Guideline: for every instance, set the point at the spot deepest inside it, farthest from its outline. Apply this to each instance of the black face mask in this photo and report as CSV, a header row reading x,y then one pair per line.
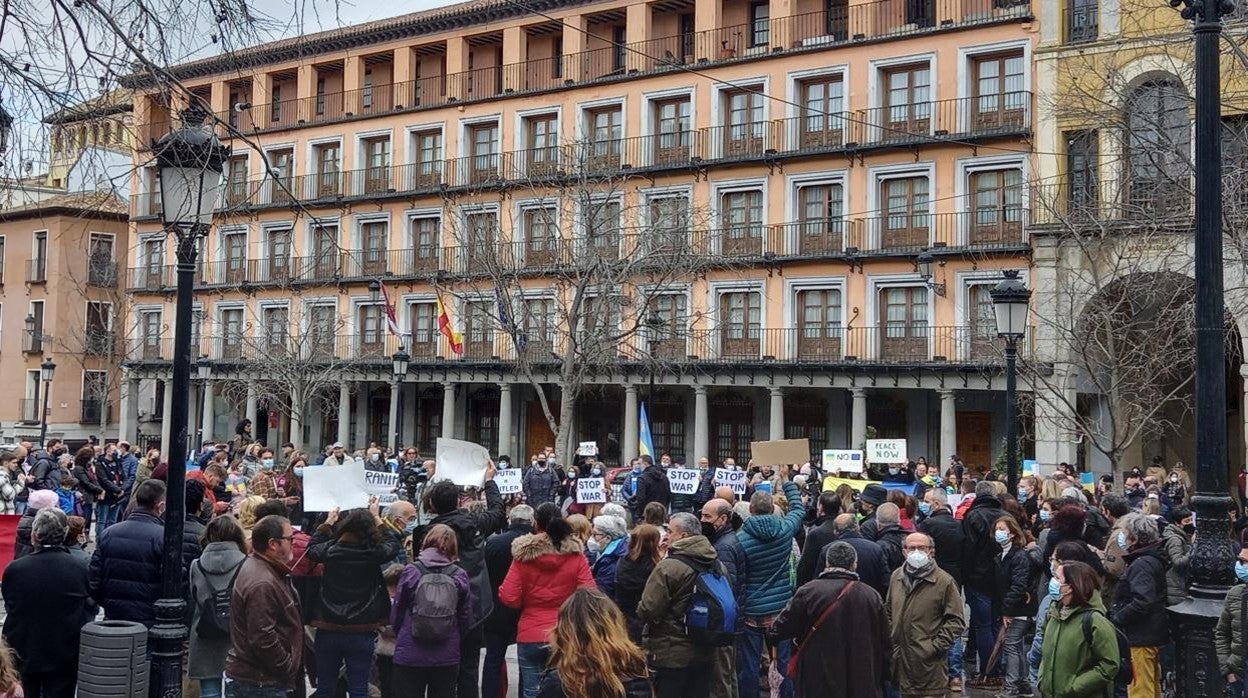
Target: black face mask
x,y
708,529
1189,529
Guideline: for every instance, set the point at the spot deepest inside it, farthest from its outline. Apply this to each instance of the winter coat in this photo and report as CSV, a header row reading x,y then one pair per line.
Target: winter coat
x,y
604,568
11,486
1228,636
503,619
652,486
125,568
23,546
666,599
46,471
768,544
926,620
47,601
872,565
891,539
540,579
1070,667
629,490
409,652
192,532
130,472
552,687
1139,608
630,582
214,570
88,482
946,532
1178,548
353,595
540,485
810,564
111,477
979,549
266,629
1016,584
830,666
728,548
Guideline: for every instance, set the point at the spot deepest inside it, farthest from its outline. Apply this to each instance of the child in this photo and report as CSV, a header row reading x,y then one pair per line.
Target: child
x,y
69,496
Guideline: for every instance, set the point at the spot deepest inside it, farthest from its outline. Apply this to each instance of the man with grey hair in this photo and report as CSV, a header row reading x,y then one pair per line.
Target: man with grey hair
x,y
872,564
500,625
47,601
889,534
1139,608
927,614
681,668
834,606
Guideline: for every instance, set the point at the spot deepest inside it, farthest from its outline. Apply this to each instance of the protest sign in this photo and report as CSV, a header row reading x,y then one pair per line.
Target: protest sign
x,y
381,485
955,501
842,461
683,480
783,452
328,487
461,462
731,478
886,451
508,481
587,448
590,490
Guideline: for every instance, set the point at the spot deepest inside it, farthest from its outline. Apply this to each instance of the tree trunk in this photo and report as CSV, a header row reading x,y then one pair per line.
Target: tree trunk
x,y
296,418
563,437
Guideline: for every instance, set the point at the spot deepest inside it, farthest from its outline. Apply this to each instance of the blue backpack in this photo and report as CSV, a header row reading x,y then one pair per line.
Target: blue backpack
x,y
711,620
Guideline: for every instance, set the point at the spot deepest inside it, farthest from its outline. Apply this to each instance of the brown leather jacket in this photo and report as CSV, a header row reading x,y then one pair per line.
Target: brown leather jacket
x,y
265,625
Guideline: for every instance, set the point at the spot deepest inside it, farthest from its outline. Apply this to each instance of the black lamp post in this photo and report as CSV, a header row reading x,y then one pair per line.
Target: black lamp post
x,y
1009,299
190,161
924,262
1212,560
401,361
47,370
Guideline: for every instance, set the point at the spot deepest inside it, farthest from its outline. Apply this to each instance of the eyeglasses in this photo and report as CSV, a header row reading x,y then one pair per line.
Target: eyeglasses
x,y
290,538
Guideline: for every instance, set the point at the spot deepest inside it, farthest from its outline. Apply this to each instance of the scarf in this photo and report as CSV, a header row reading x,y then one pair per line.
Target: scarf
x,y
912,575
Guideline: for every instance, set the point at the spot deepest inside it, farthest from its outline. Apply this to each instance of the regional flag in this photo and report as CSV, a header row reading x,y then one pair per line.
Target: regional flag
x,y
646,443
392,321
444,326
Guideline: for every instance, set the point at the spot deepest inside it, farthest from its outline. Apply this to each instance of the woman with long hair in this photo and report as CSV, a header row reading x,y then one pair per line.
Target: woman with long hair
x,y
428,666
591,655
633,571
354,602
10,680
86,482
224,552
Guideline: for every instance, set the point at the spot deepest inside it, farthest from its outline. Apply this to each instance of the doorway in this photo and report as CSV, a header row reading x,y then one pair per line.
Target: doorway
x,y
975,440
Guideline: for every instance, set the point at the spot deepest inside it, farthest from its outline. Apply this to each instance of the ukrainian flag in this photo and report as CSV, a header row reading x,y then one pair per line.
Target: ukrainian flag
x,y
646,445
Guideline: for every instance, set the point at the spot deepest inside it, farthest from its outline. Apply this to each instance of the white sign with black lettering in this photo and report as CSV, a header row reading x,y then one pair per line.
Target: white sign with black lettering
x,y
508,481
590,490
731,478
683,480
886,451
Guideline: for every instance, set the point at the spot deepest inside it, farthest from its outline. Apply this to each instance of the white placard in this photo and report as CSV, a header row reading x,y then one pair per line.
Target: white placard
x,y
381,485
590,490
886,451
731,478
461,462
334,486
955,501
837,460
509,481
587,448
683,480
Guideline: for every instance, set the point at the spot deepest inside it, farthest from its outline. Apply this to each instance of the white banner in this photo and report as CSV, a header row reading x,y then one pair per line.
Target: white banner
x,y
509,481
461,462
731,478
842,460
587,448
591,490
683,480
347,486
886,451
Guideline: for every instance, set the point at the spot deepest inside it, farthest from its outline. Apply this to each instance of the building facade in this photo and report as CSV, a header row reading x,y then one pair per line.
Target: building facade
x,y
747,186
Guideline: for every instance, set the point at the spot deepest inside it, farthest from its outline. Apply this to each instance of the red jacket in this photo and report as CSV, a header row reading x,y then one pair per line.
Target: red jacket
x,y
540,580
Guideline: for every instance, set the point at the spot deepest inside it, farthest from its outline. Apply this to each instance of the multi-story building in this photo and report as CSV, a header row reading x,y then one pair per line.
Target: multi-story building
x,y
796,158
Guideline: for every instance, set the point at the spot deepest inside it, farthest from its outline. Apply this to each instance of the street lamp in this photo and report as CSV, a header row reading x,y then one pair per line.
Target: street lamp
x,y
925,262
1009,299
47,370
1212,560
374,290
190,161
401,361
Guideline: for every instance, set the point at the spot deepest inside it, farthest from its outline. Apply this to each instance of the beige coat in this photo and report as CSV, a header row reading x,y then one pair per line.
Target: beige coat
x,y
925,621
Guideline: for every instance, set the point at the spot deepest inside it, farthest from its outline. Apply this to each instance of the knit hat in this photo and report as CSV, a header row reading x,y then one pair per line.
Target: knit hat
x,y
874,494
40,499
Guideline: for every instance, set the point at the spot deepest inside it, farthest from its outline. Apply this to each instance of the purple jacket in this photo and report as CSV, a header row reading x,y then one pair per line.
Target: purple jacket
x,y
407,652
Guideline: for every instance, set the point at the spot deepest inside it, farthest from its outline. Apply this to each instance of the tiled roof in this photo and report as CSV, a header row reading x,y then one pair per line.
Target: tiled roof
x,y
82,204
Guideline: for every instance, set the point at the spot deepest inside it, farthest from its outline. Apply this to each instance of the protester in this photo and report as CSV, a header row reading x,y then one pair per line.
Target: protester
x,y
87,483
39,499
500,626
12,484
591,655
1080,654
979,575
1177,540
541,483
818,536
212,578
1229,633
873,495
1139,608
1017,573
432,609
126,565
927,616
266,629
653,486
609,540
717,527
889,534
632,573
822,614
194,527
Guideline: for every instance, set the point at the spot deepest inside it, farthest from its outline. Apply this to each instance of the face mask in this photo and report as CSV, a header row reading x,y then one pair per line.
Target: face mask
x,y
596,472
708,529
376,457
1045,515
917,559
267,463
925,508
1002,537
636,468
892,471
1022,494
1241,571
1122,540
1055,588
1189,529
593,545
409,528
1174,478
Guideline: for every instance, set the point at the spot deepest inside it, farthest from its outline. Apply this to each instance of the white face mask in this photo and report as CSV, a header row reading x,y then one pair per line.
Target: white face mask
x,y
917,558
593,545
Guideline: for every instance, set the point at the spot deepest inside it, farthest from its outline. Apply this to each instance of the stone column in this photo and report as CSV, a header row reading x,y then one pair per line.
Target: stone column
x,y
192,426
701,424
252,402
948,425
504,421
362,409
166,423
448,410
1055,420
1243,409
777,414
344,413
209,418
631,424
395,437
129,408
858,430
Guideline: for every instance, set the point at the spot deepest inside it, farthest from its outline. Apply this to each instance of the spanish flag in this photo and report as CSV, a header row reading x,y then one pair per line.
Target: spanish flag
x,y
444,326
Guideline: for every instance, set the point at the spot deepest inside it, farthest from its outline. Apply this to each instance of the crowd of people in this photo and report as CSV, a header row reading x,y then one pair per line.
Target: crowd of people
x,y
913,583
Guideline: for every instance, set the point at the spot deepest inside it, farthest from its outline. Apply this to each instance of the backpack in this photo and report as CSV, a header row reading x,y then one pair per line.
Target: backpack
x,y
1126,673
711,619
214,609
435,604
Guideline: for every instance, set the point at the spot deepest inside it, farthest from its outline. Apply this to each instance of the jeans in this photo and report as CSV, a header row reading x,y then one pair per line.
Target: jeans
x,y
50,684
494,668
1033,656
749,658
532,657
242,689
983,628
955,658
332,649
88,508
19,507
1014,652
687,682
210,688
105,516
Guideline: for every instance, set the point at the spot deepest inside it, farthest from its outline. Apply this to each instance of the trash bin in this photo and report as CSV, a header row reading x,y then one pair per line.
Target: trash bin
x,y
112,660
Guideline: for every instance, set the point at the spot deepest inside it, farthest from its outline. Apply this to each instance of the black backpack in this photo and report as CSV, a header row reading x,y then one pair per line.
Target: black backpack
x,y
1126,673
214,609
435,604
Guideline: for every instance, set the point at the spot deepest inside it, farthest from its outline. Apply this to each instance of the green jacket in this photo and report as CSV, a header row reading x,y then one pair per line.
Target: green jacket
x,y
665,600
1228,636
1069,666
926,620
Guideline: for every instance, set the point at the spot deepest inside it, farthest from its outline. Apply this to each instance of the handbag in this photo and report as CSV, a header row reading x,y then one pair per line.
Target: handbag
x,y
791,670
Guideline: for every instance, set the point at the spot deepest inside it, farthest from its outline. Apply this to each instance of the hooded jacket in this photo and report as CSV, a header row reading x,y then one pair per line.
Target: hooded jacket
x,y
666,599
768,544
1178,549
214,570
1140,600
652,486
979,550
1069,666
1228,636
541,578
409,652
353,595
471,529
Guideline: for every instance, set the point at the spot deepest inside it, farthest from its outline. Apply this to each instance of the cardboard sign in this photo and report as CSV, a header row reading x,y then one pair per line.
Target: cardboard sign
x,y
837,460
591,490
509,481
683,480
731,478
587,448
785,452
461,462
886,451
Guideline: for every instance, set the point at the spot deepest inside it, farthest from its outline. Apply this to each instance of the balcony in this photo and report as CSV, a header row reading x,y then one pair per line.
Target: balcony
x,y
95,412
99,343
28,409
34,342
37,271
1082,24
102,272
1120,203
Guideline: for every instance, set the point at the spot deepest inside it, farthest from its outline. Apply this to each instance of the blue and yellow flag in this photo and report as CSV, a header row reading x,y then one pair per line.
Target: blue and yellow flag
x,y
646,443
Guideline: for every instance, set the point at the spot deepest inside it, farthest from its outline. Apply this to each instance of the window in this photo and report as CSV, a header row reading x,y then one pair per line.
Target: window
x,y
1082,21
907,101
98,336
1082,155
906,203
671,119
482,237
542,157
149,334
325,252
556,61
997,197
320,96
606,130
823,106
667,339
275,103
541,318
1234,164
740,324
276,322
760,26
39,259
1,259
669,225
541,237
30,404
234,246
619,39
366,94
819,329
603,235
232,333
278,254
1158,137
371,330
236,181
95,407
921,13
1000,101
101,265
478,330
742,213
983,321
328,170
377,157
821,224
732,428
282,182
197,328
688,27
903,319
428,152
600,319
322,331
375,238
483,139
745,124
426,242
423,327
